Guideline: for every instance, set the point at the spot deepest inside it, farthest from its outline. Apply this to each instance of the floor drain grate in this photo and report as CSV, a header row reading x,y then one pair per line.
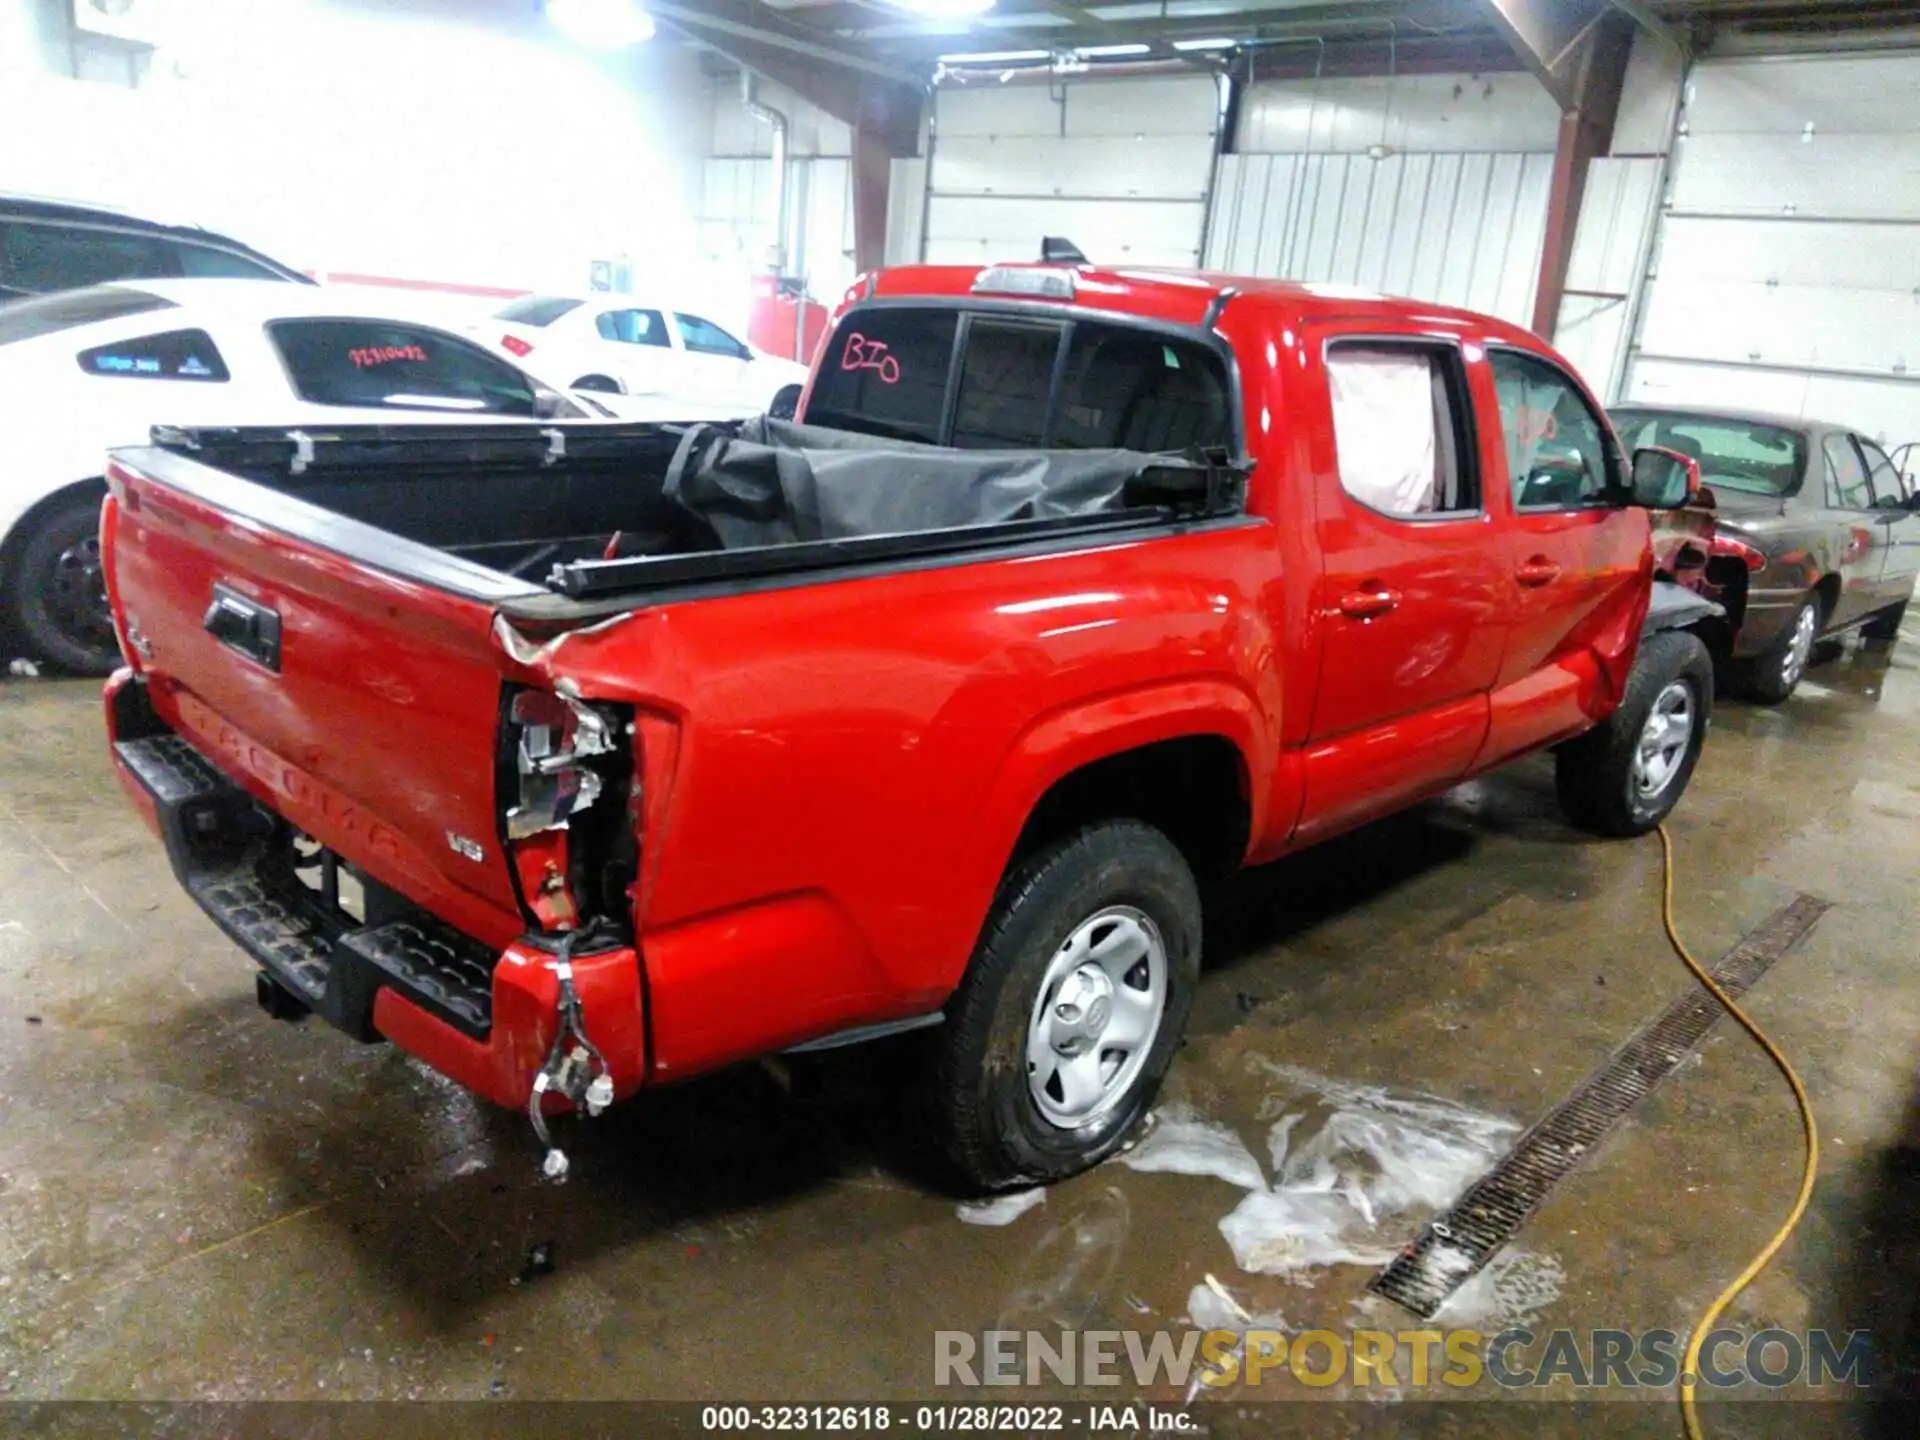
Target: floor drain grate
x,y
1453,1248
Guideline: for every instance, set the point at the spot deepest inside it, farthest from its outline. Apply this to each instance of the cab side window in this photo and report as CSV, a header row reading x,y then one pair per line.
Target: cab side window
x,y
1889,486
176,355
703,337
1397,427
1560,455
631,327
1847,487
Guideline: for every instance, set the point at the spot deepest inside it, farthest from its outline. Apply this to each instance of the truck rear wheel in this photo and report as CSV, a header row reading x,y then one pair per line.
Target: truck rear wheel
x,y
1625,775
1058,1037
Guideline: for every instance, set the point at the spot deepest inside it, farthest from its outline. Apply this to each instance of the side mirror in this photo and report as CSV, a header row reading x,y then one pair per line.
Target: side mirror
x,y
1664,479
552,405
786,400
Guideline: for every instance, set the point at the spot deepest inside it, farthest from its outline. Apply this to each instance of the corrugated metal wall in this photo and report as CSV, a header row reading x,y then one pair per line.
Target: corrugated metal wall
x,y
1450,205
1119,166
1460,229
1787,268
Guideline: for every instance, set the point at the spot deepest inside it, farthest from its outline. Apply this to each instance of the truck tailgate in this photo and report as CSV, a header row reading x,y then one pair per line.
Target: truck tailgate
x,y
361,704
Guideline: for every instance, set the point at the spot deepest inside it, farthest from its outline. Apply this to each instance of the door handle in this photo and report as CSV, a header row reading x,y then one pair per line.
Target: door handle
x,y
1536,572
1369,604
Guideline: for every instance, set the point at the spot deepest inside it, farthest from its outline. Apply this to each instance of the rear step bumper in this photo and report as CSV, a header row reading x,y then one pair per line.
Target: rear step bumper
x,y
482,1017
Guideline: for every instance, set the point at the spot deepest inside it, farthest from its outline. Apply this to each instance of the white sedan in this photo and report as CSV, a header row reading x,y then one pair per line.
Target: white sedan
x,y
83,371
620,345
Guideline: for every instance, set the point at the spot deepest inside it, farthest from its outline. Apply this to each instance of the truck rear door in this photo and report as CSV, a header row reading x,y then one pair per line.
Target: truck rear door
x,y
1412,579
360,698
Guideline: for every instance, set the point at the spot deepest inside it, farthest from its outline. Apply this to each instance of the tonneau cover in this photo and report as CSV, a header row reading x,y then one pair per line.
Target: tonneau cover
x,y
772,482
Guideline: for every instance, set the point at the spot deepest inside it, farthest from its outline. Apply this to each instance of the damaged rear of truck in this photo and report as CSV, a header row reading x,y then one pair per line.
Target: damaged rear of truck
x,y
574,759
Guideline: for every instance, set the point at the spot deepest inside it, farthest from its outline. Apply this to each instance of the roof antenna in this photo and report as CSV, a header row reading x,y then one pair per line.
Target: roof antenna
x,y
1058,250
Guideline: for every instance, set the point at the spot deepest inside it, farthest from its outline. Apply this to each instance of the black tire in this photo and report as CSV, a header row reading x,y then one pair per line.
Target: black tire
x,y
55,592
1886,624
985,1112
1770,677
1595,775
597,384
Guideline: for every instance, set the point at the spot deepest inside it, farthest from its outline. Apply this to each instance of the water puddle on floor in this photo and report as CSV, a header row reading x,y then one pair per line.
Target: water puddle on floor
x,y
1334,1181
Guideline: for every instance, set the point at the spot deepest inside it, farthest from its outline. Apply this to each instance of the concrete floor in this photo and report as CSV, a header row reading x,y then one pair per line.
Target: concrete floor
x,y
199,1203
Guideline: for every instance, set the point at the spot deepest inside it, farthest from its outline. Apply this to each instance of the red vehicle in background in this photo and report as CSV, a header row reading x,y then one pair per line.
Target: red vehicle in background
x,y
575,760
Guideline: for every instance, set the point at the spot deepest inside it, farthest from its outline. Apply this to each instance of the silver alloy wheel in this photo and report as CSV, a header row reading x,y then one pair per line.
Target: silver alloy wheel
x,y
1663,742
1096,1016
1793,664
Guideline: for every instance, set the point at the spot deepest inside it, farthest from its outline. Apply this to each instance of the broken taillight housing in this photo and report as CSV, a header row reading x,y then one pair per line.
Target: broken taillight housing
x,y
567,767
553,739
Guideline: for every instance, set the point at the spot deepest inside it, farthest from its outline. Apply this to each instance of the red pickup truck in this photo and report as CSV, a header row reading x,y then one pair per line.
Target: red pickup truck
x,y
578,759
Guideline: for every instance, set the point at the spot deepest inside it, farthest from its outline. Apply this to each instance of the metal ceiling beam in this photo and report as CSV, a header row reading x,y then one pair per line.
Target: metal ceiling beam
x,y
752,23
1552,37
1416,19
1547,35
1586,131
1158,47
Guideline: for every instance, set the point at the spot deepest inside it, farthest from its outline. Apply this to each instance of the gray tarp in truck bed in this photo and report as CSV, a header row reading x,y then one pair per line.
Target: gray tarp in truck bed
x,y
771,482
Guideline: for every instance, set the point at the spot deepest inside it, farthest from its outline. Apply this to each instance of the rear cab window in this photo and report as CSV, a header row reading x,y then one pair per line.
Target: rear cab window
x,y
993,380
378,364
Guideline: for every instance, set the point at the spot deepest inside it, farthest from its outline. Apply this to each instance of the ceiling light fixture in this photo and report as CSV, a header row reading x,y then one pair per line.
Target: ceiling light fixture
x,y
1218,42
994,57
943,9
1097,52
601,24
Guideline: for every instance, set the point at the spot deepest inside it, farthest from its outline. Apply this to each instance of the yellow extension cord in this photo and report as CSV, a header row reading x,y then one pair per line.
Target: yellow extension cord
x,y
1690,1367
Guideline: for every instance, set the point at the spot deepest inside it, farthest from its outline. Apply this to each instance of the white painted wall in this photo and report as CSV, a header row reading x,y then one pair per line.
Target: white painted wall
x,y
432,143
739,203
1118,165
1454,211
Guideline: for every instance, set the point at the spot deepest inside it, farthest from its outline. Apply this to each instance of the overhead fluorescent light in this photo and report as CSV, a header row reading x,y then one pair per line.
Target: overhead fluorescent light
x,y
942,9
1096,52
601,24
1217,42
994,57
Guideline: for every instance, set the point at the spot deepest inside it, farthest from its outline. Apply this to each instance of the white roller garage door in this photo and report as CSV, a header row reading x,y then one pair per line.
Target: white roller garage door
x,y
1118,166
1787,272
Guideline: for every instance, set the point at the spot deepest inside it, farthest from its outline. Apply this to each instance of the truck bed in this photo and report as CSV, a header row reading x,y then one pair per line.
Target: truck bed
x,y
555,522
